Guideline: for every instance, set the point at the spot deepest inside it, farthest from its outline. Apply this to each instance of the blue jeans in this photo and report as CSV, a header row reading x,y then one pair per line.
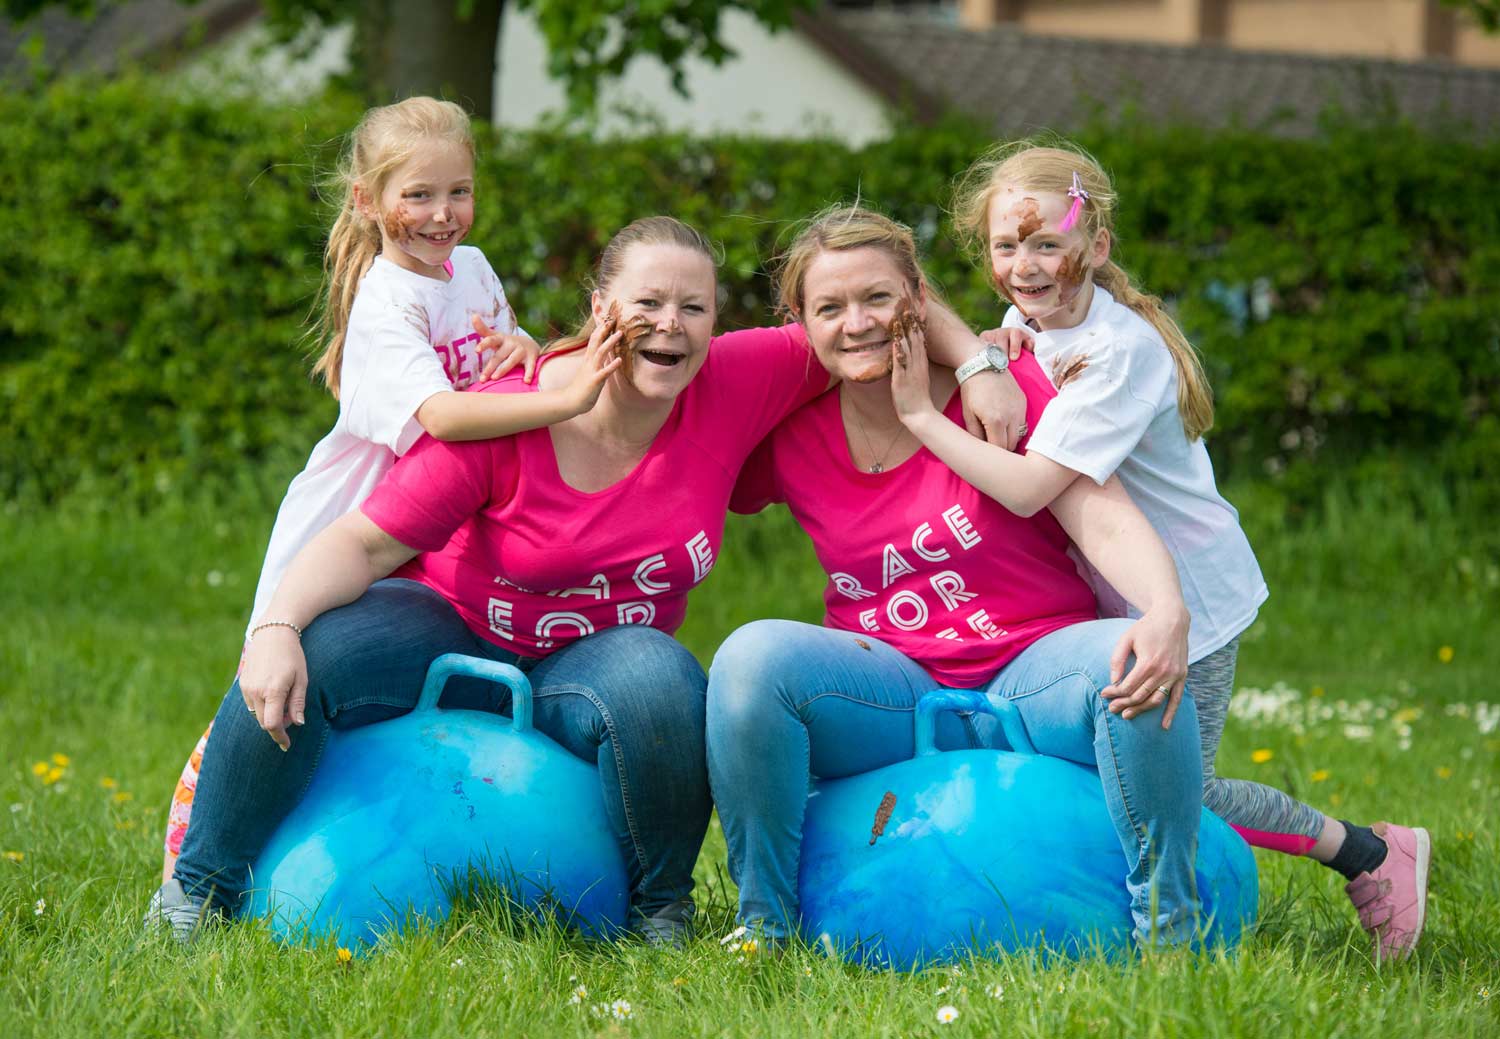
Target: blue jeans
x,y
628,699
789,701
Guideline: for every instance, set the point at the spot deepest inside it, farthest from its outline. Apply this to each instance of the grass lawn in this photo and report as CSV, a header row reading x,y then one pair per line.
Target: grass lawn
x,y
1366,689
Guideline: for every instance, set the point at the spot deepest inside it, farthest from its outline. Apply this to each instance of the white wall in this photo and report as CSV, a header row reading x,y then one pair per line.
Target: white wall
x,y
779,85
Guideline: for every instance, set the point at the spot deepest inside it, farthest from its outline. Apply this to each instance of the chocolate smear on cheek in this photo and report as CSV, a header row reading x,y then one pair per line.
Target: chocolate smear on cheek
x,y
397,224
1070,276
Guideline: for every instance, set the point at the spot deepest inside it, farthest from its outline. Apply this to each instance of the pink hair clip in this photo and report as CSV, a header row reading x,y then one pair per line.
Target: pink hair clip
x,y
1076,209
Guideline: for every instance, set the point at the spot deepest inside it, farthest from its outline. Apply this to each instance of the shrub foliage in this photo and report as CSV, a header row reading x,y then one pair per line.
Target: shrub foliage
x,y
164,254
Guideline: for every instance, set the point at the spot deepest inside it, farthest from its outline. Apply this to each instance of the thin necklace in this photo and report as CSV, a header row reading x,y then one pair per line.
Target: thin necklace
x,y
877,466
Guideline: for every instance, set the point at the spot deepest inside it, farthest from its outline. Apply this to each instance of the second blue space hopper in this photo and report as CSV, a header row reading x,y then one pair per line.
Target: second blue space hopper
x,y
982,851
400,812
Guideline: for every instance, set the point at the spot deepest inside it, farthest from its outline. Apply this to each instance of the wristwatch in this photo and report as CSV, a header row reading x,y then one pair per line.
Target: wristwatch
x,y
991,358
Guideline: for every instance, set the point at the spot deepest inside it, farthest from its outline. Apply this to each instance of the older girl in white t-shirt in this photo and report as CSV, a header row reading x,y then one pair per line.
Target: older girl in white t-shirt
x,y
408,316
1133,400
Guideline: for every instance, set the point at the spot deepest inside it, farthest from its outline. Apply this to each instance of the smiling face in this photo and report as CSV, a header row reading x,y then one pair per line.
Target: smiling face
x,y
671,288
1047,273
849,299
425,209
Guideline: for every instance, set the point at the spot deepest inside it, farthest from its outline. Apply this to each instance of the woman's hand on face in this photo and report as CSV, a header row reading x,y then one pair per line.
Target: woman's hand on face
x,y
273,682
1159,642
1014,341
506,351
601,359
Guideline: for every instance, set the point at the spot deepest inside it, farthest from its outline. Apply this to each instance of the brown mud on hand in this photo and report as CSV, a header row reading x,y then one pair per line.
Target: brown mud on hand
x,y
904,322
1066,369
882,816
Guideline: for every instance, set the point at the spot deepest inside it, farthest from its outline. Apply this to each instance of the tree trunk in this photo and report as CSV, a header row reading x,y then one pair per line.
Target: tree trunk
x,y
431,48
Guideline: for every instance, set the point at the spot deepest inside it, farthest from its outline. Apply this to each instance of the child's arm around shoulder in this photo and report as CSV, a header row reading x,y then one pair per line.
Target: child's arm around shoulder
x,y
1023,483
451,415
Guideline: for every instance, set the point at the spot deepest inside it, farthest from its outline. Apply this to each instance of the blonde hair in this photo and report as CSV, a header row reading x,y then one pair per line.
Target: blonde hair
x,y
385,140
650,230
1049,165
838,228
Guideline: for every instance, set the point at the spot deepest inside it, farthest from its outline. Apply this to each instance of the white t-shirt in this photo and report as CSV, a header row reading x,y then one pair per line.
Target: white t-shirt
x,y
409,337
1119,414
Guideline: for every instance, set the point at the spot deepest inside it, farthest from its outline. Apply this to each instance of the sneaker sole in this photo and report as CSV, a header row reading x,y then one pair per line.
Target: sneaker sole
x,y
1424,859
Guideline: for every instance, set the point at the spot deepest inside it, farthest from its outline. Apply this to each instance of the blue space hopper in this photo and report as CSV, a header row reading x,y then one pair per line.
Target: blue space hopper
x,y
401,813
956,853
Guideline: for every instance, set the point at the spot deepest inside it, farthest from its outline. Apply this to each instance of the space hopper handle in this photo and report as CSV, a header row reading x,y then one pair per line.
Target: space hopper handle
x,y
939,700
450,665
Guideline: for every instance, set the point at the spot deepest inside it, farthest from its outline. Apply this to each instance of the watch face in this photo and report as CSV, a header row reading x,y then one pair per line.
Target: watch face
x,y
997,358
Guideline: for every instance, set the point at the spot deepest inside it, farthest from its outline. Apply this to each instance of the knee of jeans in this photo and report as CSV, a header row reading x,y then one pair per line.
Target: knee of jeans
x,y
654,672
744,677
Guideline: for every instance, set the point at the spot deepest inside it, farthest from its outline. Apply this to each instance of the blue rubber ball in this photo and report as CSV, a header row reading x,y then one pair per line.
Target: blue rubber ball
x,y
982,851
401,813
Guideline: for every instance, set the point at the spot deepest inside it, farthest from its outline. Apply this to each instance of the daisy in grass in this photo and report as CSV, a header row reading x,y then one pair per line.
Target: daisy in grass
x,y
947,1014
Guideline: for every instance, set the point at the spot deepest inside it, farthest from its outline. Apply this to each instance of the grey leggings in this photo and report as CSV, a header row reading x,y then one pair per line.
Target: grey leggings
x,y
1265,816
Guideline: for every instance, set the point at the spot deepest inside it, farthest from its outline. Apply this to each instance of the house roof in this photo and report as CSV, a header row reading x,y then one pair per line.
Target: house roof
x,y
118,34
1020,82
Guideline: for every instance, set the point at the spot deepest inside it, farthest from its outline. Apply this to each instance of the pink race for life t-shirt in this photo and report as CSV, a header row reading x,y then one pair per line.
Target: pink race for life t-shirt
x,y
915,555
532,564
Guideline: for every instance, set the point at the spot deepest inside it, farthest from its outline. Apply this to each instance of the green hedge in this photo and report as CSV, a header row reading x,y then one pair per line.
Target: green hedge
x,y
162,254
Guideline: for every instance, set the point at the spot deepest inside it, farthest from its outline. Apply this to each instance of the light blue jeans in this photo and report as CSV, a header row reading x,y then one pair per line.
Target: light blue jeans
x,y
789,701
628,699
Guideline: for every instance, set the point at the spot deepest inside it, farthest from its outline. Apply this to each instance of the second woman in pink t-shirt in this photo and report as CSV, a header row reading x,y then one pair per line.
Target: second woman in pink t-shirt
x,y
933,583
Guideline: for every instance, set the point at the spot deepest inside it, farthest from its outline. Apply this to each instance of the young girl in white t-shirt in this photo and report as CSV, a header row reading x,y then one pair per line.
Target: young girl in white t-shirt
x,y
409,315
1133,399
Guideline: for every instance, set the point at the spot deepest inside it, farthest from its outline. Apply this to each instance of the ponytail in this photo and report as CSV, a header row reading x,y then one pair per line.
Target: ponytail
x,y
1195,397
353,244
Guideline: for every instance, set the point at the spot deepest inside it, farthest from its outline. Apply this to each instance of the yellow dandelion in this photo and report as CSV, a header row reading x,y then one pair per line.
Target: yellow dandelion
x,y
1335,799
344,956
1445,654
121,796
16,856
125,824
1316,690
53,775
61,760
40,768
108,783
1260,757
1444,772
1320,775
679,981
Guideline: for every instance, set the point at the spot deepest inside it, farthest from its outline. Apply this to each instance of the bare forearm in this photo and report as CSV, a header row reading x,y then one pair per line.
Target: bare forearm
x,y
950,342
1024,484
1115,536
455,416
334,569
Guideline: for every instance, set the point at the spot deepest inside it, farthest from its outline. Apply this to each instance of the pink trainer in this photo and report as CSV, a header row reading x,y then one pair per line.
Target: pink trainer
x,y
1392,900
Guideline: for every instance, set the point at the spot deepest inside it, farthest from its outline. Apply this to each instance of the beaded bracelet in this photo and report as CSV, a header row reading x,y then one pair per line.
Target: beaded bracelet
x,y
275,624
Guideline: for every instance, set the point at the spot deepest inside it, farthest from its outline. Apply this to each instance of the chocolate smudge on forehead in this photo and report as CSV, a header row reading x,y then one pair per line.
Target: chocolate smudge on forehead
x,y
1031,218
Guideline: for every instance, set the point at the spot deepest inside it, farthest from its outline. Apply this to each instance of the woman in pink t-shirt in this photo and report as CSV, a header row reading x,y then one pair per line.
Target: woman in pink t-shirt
x,y
932,583
566,551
